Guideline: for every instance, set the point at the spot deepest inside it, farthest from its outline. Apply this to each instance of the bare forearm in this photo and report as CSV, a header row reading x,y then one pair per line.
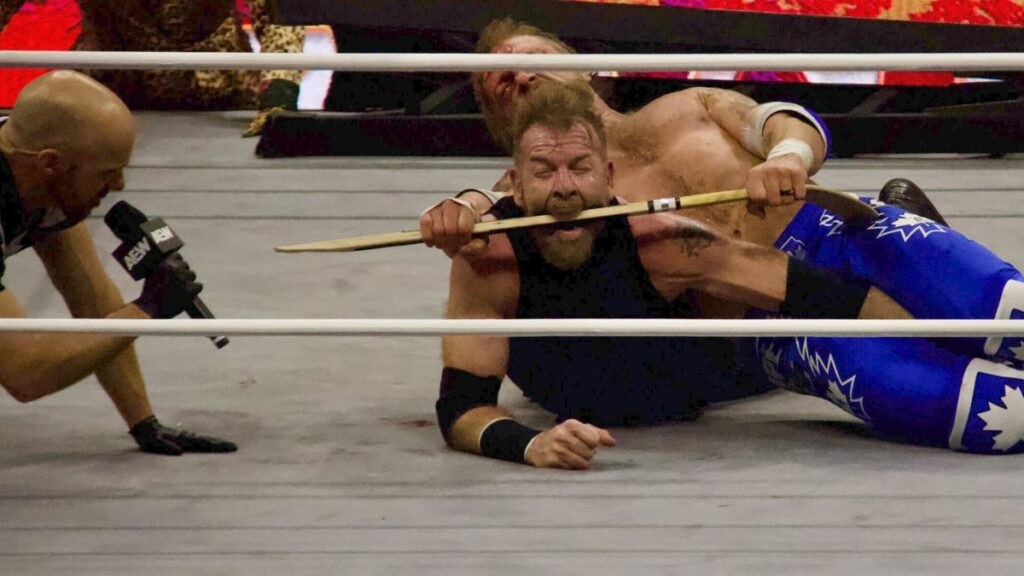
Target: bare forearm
x,y
751,274
879,306
760,277
48,363
121,378
120,374
465,433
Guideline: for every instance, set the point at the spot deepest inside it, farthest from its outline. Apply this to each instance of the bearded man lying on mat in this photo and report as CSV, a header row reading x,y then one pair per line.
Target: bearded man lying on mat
x,y
948,391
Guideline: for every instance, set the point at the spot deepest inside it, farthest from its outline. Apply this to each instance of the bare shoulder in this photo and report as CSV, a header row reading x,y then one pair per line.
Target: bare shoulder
x,y
648,131
681,98
687,103
699,104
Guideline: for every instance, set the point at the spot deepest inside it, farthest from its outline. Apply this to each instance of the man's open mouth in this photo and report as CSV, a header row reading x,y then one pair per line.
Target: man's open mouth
x,y
568,229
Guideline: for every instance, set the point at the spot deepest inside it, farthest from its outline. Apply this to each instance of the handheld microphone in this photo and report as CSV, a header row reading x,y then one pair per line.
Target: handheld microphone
x,y
145,243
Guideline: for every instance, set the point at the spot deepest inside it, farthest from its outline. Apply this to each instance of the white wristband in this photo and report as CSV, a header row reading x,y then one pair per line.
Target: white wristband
x,y
457,200
793,146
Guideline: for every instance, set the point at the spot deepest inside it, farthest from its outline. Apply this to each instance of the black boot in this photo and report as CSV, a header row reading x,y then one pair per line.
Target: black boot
x,y
904,194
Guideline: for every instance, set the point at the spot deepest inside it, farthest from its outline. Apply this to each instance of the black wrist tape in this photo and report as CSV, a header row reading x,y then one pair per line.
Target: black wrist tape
x,y
507,440
462,391
814,292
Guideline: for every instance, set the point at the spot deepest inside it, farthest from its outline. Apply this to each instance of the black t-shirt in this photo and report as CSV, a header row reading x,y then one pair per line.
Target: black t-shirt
x,y
6,190
12,215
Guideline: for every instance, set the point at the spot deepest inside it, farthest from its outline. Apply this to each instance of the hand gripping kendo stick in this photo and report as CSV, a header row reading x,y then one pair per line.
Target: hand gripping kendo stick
x,y
845,205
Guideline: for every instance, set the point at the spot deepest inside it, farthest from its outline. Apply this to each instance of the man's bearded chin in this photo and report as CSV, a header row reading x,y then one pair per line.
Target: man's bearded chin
x,y
563,253
567,254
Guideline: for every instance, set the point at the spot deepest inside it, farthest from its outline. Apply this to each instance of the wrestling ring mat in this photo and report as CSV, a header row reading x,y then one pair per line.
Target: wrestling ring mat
x,y
341,468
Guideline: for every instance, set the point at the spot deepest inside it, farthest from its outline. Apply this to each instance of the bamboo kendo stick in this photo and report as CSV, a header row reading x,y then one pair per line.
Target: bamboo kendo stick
x,y
842,204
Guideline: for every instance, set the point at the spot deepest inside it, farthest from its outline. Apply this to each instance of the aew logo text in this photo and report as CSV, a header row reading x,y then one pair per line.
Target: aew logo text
x,y
152,242
138,252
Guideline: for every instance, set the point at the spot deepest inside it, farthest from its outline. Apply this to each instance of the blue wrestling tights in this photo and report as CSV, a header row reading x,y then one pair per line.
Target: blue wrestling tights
x,y
906,387
963,393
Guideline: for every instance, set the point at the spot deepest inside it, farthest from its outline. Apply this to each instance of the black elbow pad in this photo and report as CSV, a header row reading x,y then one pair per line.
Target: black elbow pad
x,y
460,392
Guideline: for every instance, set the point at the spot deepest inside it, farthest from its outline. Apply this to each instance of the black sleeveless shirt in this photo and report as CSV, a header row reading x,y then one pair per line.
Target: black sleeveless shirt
x,y
610,380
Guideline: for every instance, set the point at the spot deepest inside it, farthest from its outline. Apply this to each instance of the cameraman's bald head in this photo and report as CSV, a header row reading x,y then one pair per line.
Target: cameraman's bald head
x,y
69,112
67,141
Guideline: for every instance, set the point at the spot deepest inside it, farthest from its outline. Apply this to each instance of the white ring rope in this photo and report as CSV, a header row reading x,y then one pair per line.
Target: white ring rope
x,y
452,62
523,327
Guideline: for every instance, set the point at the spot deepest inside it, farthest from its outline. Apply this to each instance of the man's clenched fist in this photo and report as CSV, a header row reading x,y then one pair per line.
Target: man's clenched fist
x,y
571,445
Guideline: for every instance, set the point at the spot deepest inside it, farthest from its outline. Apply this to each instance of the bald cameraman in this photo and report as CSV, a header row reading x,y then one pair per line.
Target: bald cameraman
x,y
63,148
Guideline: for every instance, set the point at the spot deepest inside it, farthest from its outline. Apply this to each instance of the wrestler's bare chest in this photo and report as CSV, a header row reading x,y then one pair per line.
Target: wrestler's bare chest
x,y
679,159
682,157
